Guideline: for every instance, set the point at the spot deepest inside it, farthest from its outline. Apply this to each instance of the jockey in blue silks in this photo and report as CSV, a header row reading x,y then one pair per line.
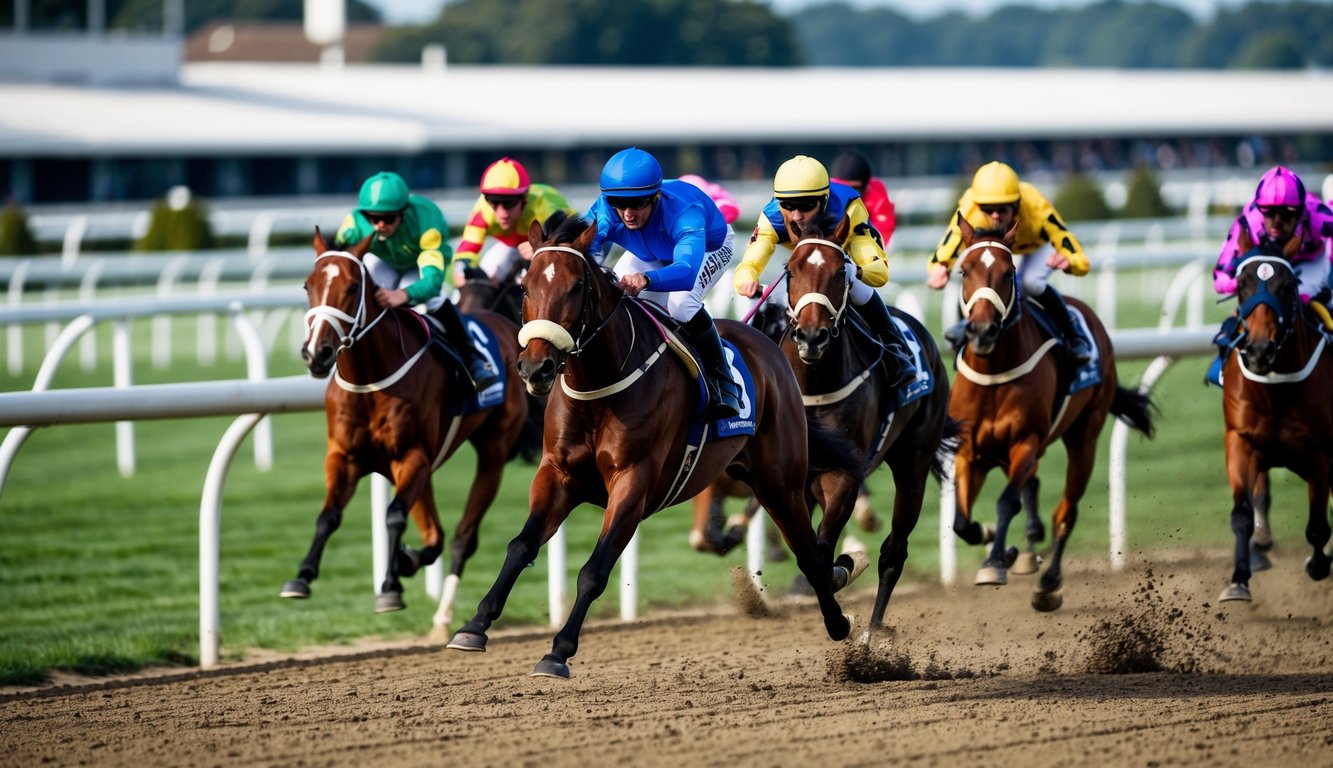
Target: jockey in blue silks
x,y
677,244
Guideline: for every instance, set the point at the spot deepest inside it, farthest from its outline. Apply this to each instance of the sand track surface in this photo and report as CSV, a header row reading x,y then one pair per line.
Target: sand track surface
x,y
1142,667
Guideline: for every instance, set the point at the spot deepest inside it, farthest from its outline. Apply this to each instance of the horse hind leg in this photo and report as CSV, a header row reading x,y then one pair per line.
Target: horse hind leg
x,y
909,481
1028,561
341,482
1261,543
485,486
788,510
1317,531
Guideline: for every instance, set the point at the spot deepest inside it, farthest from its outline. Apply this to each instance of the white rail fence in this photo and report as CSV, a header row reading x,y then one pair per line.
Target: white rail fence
x,y
250,401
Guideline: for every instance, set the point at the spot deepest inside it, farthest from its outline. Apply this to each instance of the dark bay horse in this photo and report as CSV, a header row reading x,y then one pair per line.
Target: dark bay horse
x,y
1014,395
845,385
618,433
502,294
389,411
1275,400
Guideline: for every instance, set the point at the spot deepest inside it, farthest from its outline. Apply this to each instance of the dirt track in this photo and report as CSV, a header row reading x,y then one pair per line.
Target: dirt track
x,y
971,674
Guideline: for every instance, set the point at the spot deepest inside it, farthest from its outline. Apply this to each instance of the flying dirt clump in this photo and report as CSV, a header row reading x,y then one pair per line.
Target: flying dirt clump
x,y
1148,635
877,663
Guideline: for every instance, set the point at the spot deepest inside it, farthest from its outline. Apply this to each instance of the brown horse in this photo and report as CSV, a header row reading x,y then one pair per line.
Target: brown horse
x,y
389,411
846,386
1016,397
1275,399
618,433
502,294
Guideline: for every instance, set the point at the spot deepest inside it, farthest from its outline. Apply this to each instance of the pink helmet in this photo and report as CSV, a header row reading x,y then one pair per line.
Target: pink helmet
x,y
1280,187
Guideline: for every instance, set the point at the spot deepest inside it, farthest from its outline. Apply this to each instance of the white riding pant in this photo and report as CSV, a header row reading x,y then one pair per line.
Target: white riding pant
x,y
391,278
683,304
1033,271
499,259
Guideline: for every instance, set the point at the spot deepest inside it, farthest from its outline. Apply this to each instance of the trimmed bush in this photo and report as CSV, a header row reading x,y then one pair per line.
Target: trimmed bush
x,y
178,222
15,237
1144,197
1081,199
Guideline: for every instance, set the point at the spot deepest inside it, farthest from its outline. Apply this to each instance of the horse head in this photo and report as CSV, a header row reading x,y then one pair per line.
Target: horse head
x,y
564,296
1270,301
342,306
990,296
817,287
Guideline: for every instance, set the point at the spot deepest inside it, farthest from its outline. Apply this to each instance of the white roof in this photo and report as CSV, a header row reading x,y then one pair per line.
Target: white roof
x,y
249,109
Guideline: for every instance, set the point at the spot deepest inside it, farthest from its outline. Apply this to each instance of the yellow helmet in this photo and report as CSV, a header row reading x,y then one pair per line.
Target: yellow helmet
x,y
801,176
995,184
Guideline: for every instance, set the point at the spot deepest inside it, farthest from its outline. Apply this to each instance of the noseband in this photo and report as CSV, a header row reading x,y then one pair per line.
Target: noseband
x,y
1006,308
819,298
554,333
1286,311
335,317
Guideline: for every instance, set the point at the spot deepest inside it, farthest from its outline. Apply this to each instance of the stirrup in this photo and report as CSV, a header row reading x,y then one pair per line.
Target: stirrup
x,y
906,371
482,374
1079,350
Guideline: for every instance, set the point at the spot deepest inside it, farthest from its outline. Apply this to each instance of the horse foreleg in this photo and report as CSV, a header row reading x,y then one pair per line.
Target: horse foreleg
x,y
340,482
549,502
1317,530
1243,474
411,480
485,485
968,479
624,510
787,508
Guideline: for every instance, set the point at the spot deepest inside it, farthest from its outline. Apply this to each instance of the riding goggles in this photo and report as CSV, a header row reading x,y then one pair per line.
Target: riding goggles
x,y
503,202
1280,212
802,204
387,218
631,203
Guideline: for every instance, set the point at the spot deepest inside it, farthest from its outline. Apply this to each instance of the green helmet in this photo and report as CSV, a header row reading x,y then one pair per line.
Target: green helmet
x,y
385,192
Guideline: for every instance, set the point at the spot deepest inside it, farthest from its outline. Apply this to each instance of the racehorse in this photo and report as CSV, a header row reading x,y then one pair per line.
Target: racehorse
x,y
845,384
1016,397
1275,387
391,409
502,294
618,433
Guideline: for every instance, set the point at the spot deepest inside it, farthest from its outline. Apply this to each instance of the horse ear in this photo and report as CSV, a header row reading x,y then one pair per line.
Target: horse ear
x,y
1012,233
965,227
362,247
535,233
840,234
321,245
584,241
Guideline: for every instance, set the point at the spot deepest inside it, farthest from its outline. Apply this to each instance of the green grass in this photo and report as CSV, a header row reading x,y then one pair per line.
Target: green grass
x,y
100,572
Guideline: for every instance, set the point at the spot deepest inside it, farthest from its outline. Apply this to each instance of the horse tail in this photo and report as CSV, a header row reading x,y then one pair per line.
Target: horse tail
x,y
529,442
832,451
1134,408
950,439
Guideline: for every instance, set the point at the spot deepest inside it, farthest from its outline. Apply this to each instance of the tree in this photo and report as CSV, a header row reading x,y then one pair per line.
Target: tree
x,y
15,237
178,222
1080,199
1144,199
1271,50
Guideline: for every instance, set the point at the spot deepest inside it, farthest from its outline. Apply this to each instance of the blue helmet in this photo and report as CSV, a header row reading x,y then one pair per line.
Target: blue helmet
x,y
631,173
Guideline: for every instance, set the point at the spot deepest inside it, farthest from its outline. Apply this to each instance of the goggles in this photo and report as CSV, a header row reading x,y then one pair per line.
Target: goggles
x,y
631,203
802,204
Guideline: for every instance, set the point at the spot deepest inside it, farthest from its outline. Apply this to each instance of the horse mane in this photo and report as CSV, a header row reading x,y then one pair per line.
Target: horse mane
x,y
562,227
989,233
822,227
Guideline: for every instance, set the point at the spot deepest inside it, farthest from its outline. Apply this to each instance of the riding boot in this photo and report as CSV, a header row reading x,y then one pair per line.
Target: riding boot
x,y
902,370
724,396
478,368
1058,311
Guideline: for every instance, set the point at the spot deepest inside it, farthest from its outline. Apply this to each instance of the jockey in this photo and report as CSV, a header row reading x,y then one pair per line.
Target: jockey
x,y
994,199
407,259
508,205
676,245
853,169
802,192
1283,209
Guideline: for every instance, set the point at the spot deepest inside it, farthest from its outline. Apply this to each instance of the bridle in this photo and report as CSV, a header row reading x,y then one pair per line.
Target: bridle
x,y
554,333
820,298
1009,309
1286,311
356,326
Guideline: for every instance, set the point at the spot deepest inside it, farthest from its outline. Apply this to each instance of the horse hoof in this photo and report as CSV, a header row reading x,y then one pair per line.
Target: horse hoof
x,y
1236,592
1259,560
473,642
839,627
848,567
387,602
1010,557
1317,569
991,576
549,667
987,533
1026,564
296,588
1262,539
1047,601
